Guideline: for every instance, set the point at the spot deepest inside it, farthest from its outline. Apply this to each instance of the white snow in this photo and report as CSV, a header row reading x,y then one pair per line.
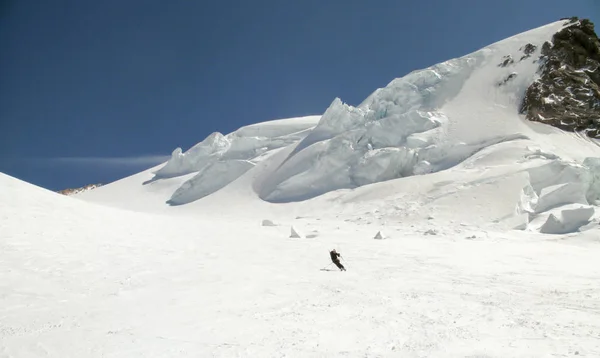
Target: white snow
x,y
490,222
78,279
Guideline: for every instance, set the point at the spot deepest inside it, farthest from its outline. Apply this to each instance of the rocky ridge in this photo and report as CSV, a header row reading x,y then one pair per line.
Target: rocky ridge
x,y
73,191
567,94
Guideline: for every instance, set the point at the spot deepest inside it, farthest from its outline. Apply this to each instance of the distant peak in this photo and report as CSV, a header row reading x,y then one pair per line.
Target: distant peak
x,y
73,191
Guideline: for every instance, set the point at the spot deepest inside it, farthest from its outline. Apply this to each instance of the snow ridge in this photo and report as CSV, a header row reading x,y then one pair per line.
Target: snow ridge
x,y
220,159
427,121
445,141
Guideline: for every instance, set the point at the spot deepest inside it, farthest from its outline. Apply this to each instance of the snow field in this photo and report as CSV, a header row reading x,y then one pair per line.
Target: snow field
x,y
489,235
116,283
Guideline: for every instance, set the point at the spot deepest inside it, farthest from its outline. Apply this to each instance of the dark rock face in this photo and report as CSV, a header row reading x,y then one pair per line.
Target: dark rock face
x,y
73,191
506,61
527,50
508,78
567,95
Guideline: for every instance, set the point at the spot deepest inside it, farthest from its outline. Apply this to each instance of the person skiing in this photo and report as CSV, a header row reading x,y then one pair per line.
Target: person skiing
x,y
334,257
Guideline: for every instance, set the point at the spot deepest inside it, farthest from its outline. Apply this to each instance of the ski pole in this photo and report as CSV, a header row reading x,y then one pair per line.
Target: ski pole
x,y
346,261
327,266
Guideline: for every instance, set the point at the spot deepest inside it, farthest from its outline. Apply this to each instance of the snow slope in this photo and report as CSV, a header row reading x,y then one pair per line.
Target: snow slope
x,y
466,232
205,168
426,121
83,280
449,133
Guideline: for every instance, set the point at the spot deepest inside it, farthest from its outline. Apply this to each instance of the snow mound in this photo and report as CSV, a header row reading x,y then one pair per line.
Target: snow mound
x,y
267,222
17,194
294,234
567,219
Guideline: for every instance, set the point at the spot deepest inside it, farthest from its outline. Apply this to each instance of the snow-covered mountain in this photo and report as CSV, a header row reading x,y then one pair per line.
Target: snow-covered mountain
x,y
457,127
465,211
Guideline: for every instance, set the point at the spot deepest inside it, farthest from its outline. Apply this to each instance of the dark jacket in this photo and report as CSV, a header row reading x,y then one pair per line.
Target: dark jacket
x,y
334,256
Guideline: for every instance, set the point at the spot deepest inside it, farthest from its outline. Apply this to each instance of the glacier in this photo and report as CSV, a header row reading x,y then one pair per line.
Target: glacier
x,y
458,119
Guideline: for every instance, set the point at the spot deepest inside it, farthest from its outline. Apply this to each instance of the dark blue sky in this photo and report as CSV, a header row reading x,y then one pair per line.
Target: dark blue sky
x,y
92,91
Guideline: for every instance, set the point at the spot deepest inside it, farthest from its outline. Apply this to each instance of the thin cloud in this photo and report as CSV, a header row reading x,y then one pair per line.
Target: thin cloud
x,y
145,160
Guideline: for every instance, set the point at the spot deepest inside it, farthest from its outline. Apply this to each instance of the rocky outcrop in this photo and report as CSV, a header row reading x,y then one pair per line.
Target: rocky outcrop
x,y
508,78
567,94
506,61
73,191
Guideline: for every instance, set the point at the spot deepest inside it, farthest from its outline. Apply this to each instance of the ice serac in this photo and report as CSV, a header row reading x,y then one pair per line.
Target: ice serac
x,y
383,138
592,166
220,159
424,122
566,219
245,143
211,178
447,141
200,155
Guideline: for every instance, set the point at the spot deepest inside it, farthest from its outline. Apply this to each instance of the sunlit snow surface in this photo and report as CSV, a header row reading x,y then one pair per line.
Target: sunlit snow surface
x,y
466,232
449,132
80,280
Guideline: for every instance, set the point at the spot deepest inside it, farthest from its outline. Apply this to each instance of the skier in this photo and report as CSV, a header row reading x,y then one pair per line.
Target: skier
x,y
334,257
